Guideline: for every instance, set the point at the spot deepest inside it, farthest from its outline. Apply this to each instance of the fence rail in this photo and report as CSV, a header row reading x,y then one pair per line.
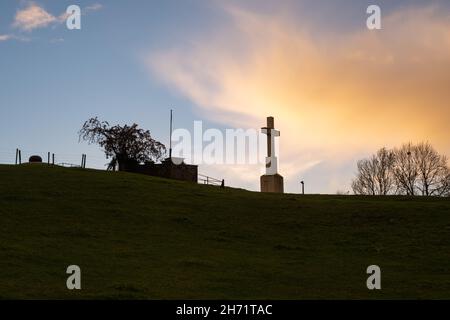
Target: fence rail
x,y
204,179
60,159
73,160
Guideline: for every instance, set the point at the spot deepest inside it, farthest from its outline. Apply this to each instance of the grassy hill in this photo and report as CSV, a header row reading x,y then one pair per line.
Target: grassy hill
x,y
142,237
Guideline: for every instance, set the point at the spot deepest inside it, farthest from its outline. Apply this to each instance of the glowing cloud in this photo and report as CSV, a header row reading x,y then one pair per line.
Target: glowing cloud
x,y
334,96
33,17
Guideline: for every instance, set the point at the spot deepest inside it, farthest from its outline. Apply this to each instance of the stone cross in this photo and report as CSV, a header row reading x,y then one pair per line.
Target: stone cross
x,y
271,159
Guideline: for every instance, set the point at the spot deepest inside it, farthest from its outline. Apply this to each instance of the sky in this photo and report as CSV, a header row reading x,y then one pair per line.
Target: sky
x,y
338,91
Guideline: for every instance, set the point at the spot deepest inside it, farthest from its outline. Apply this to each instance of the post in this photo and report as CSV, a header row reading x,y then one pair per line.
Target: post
x,y
20,156
17,155
48,158
222,185
84,162
303,187
170,136
53,159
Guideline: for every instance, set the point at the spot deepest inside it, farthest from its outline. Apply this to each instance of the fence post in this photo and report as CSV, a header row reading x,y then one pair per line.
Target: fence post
x,y
17,155
48,158
20,156
53,159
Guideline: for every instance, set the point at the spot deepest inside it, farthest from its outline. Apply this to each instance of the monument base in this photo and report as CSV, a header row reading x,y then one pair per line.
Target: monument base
x,y
272,183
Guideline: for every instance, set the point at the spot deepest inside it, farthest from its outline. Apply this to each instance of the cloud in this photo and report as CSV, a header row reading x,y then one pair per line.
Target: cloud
x,y
32,17
335,96
4,37
93,7
57,40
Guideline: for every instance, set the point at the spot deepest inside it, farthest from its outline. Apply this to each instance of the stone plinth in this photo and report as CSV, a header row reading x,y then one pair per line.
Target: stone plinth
x,y
272,183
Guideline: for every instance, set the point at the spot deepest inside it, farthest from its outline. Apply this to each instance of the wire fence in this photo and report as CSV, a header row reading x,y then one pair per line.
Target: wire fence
x,y
18,156
76,160
204,179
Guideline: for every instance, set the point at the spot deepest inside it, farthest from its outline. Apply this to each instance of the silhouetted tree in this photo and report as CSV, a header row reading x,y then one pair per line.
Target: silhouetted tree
x,y
405,169
374,175
126,145
411,169
432,169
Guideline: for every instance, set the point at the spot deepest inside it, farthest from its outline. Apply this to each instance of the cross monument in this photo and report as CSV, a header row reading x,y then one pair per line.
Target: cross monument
x,y
271,181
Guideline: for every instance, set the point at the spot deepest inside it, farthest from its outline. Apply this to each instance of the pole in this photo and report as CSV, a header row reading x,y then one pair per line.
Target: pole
x,y
170,136
48,157
17,155
20,156
84,163
303,187
53,159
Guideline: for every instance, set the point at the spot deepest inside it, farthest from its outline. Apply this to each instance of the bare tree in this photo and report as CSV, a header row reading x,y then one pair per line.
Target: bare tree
x,y
364,183
442,188
375,174
405,169
432,170
411,169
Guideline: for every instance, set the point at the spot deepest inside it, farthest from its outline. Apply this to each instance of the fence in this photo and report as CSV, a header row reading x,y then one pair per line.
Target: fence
x,y
203,179
78,161
72,160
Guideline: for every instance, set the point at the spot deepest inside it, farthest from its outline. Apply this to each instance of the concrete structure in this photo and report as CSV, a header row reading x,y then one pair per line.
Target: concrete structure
x,y
271,181
167,169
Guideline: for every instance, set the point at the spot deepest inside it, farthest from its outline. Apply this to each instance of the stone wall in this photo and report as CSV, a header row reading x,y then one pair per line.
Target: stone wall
x,y
167,169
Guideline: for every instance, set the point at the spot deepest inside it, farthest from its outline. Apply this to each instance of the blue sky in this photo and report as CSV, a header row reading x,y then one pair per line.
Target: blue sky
x,y
58,78
53,79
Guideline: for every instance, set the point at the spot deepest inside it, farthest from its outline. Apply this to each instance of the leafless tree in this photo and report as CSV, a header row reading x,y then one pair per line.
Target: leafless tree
x,y
432,170
405,169
411,169
375,174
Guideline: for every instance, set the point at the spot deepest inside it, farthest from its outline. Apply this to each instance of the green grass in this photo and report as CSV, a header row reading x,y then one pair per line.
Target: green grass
x,y
136,236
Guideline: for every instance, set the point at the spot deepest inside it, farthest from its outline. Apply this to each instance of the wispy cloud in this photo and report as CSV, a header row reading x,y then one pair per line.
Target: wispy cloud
x,y
334,96
4,37
33,17
93,7
57,40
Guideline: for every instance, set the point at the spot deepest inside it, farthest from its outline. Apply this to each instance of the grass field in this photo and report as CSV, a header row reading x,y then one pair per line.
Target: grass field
x,y
136,236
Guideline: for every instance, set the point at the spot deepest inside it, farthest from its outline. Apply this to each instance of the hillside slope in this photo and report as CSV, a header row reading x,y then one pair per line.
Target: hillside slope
x,y
142,237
